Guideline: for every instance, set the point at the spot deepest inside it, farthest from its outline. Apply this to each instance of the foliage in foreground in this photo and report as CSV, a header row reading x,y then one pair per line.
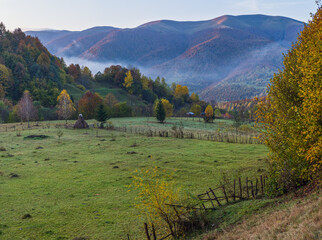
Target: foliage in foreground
x,y
155,193
291,115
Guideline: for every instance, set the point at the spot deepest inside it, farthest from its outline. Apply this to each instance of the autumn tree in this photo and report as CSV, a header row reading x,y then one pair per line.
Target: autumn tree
x,y
128,81
65,106
110,100
181,91
101,115
291,115
194,97
209,114
160,112
27,110
88,104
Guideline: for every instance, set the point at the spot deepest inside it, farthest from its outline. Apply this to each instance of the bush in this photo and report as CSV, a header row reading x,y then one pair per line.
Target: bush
x,y
81,87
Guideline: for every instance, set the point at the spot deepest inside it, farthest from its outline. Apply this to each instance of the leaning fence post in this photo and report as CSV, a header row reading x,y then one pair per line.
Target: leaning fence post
x,y
223,188
213,193
210,200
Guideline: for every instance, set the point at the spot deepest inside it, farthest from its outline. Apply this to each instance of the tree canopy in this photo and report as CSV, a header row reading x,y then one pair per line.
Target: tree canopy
x,y
291,115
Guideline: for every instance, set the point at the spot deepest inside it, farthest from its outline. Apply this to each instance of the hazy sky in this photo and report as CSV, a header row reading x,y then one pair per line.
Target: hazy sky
x,y
83,14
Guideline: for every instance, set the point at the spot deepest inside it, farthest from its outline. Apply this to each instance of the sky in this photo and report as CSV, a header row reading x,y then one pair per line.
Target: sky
x,y
83,14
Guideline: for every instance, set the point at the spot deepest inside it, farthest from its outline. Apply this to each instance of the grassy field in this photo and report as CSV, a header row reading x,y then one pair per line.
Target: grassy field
x,y
78,187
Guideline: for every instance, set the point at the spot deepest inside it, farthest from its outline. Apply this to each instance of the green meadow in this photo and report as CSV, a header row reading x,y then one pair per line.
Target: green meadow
x,y
78,186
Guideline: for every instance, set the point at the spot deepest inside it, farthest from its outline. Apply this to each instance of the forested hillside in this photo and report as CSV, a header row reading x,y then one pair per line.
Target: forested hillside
x,y
26,65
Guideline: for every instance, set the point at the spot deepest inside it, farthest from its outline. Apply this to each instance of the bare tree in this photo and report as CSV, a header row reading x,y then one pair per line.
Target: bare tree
x,y
27,110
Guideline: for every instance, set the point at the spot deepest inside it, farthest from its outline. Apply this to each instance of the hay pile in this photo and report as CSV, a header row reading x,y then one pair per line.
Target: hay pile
x,y
81,123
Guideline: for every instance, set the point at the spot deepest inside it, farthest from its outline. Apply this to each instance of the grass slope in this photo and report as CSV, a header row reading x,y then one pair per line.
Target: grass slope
x,y
103,89
289,217
78,187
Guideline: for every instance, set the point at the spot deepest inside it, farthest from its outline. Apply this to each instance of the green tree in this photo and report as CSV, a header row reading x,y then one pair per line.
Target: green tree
x,y
5,80
291,115
101,115
196,109
160,112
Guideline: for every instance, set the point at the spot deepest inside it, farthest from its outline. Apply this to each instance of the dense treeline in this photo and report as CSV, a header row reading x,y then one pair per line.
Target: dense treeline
x,y
25,64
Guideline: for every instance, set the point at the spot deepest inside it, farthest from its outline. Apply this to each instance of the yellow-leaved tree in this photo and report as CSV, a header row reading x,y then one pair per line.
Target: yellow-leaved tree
x,y
128,81
65,106
291,114
209,114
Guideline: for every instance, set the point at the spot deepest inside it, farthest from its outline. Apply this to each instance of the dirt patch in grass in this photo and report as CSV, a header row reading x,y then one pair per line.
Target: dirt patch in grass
x,y
36,137
13,175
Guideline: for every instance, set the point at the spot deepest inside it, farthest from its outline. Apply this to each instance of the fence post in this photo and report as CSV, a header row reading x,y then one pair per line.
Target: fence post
x,y
251,184
256,187
247,190
234,197
262,187
240,189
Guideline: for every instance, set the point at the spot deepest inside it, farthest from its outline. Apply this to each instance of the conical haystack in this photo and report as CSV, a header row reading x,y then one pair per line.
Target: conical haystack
x,y
81,123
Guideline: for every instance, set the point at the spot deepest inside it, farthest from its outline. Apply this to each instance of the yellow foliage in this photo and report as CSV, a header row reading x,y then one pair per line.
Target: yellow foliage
x,y
128,81
181,91
156,191
65,107
291,115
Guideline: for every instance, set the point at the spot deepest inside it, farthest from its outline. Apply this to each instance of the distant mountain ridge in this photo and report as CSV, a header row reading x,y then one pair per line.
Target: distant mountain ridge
x,y
237,54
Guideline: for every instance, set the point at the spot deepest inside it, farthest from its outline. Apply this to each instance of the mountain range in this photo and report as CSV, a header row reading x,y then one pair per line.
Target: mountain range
x,y
226,58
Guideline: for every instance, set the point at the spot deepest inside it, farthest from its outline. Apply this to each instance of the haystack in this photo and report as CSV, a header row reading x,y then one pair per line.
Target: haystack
x,y
81,123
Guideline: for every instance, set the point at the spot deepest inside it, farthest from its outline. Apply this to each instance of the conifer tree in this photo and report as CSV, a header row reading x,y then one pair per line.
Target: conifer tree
x,y
101,115
160,112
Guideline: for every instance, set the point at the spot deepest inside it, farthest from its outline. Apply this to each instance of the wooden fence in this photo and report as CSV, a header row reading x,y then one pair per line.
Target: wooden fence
x,y
216,136
214,198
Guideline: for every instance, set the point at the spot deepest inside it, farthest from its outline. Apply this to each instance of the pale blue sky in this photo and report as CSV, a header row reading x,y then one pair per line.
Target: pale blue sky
x,y
83,14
